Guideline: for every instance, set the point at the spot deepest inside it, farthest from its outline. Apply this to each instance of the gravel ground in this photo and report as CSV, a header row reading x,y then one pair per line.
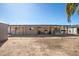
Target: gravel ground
x,y
40,46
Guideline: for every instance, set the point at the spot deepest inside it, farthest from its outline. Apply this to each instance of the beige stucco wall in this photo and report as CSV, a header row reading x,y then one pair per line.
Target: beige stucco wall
x,y
3,31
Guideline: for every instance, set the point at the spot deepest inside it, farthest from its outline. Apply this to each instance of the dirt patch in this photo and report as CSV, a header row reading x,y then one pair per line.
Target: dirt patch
x,y
40,46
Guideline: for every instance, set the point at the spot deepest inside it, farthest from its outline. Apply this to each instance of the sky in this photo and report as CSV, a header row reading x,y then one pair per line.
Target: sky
x,y
35,13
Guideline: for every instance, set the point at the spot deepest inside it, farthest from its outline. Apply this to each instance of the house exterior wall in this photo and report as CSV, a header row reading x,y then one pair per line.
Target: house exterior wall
x,y
72,30
3,31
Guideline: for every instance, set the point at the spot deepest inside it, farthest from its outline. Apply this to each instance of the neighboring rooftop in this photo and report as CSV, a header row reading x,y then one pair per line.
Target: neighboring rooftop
x,y
1,21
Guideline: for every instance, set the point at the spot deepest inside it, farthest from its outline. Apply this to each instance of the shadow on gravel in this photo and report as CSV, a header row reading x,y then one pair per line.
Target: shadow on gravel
x,y
2,42
44,35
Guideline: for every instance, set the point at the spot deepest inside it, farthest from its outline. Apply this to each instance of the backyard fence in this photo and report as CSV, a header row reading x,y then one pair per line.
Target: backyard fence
x,y
24,30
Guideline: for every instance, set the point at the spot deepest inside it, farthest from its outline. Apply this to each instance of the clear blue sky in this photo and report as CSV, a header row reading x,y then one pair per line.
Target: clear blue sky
x,y
53,13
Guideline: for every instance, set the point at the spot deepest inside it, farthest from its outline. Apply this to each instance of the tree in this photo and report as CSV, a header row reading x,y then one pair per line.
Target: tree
x,y
70,9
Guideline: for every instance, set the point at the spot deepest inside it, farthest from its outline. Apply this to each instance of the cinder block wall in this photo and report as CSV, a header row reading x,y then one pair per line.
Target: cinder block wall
x,y
31,30
3,31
